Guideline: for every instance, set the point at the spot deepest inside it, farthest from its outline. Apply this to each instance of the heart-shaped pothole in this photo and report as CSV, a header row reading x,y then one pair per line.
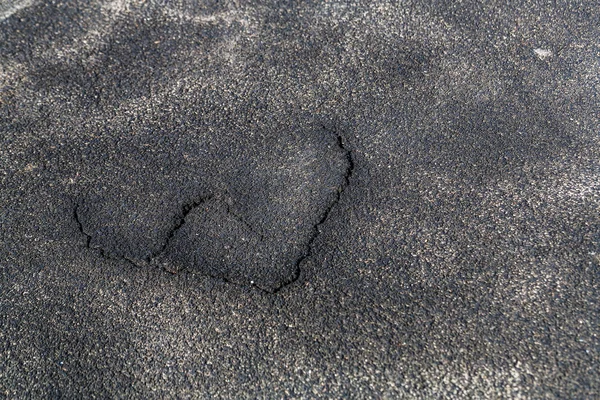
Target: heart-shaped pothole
x,y
253,223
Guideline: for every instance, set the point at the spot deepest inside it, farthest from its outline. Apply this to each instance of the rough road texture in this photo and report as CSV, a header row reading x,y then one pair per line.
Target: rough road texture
x,y
276,199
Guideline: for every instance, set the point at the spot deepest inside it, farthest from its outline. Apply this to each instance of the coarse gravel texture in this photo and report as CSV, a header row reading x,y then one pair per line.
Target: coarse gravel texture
x,y
318,199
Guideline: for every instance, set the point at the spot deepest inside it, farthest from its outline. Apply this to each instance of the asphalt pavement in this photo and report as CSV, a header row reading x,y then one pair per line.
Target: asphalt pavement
x,y
318,199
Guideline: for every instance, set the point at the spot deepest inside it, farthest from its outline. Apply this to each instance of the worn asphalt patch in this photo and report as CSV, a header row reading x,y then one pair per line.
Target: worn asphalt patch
x,y
210,232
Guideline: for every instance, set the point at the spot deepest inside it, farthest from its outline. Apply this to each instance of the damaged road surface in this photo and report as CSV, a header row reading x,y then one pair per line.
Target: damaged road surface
x,y
256,238
320,199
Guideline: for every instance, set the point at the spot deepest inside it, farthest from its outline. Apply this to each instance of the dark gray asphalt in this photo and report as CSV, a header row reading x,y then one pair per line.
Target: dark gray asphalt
x,y
320,199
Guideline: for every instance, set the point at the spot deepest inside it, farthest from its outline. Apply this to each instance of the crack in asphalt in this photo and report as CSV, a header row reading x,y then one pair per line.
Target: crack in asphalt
x,y
180,221
149,260
325,215
187,208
